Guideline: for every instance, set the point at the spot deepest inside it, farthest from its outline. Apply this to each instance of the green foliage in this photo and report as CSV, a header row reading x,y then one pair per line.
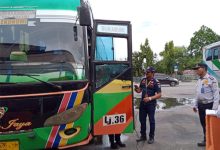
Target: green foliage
x,y
142,59
147,54
168,56
200,39
184,58
137,64
160,67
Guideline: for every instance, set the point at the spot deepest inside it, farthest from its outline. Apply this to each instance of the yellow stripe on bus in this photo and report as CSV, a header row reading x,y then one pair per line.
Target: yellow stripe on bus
x,y
63,141
116,86
79,98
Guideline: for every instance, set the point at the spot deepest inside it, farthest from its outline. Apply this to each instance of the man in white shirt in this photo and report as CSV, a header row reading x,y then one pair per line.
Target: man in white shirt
x,y
207,95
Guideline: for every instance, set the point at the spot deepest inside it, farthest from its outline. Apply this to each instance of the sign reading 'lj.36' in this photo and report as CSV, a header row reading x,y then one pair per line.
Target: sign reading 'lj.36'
x,y
114,119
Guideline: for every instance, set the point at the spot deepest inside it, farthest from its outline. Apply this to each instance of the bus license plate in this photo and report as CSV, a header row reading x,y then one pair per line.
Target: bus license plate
x,y
12,145
114,119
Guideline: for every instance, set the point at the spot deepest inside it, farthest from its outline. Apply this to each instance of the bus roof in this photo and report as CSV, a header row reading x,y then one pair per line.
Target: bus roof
x,y
39,4
212,45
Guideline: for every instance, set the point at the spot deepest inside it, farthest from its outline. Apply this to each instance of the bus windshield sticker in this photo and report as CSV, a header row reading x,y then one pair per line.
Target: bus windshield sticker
x,y
13,22
19,14
117,29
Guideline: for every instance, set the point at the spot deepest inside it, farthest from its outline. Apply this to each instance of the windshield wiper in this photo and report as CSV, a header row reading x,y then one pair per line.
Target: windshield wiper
x,y
32,76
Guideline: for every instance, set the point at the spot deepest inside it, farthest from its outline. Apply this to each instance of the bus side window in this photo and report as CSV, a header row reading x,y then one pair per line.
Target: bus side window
x,y
219,53
208,54
215,54
111,49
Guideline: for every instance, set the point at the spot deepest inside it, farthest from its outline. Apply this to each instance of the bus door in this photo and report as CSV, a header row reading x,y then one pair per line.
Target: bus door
x,y
112,77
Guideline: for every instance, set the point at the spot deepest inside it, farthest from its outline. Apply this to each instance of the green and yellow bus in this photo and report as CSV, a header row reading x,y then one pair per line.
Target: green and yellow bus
x,y
64,76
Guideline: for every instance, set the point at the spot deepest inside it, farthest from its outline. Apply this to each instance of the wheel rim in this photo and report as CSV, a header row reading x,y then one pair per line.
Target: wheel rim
x,y
172,83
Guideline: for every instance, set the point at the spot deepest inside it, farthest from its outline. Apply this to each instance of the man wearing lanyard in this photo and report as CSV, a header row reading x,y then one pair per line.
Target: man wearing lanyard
x,y
151,91
207,95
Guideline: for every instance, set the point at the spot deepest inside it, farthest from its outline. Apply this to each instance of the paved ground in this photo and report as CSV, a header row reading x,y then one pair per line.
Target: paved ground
x,y
183,90
177,128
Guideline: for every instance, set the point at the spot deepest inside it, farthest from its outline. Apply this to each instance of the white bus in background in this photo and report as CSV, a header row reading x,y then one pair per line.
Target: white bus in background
x,y
211,56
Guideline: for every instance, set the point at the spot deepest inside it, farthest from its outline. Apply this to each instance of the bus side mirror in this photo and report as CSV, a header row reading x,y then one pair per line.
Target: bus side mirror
x,y
84,16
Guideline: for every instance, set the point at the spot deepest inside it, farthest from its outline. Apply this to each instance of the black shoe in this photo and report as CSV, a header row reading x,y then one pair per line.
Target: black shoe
x,y
150,141
120,144
114,146
201,144
142,138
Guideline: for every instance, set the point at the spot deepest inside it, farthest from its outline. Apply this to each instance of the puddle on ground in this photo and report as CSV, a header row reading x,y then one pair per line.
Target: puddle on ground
x,y
167,103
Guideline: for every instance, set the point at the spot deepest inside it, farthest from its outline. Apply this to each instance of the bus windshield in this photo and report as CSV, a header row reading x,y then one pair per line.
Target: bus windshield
x,y
52,50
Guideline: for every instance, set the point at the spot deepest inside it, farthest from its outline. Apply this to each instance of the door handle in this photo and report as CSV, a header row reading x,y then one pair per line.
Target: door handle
x,y
126,86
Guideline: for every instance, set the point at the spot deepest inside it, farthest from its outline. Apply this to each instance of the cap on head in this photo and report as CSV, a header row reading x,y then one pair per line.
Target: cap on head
x,y
150,69
200,65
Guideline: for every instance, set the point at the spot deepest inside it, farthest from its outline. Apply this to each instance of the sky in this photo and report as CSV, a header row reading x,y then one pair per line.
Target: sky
x,y
160,21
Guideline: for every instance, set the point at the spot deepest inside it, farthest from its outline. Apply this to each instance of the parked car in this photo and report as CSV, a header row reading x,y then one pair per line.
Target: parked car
x,y
168,80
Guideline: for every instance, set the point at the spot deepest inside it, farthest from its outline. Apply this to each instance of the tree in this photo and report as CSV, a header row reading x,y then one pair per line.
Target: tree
x,y
172,56
200,39
137,64
159,65
142,59
147,54
168,57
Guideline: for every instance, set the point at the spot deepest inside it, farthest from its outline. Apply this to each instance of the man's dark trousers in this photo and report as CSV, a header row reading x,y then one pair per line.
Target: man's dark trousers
x,y
202,108
144,111
114,137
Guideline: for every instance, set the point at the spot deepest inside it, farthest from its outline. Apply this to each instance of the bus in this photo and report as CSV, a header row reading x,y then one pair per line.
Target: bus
x,y
65,77
211,56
